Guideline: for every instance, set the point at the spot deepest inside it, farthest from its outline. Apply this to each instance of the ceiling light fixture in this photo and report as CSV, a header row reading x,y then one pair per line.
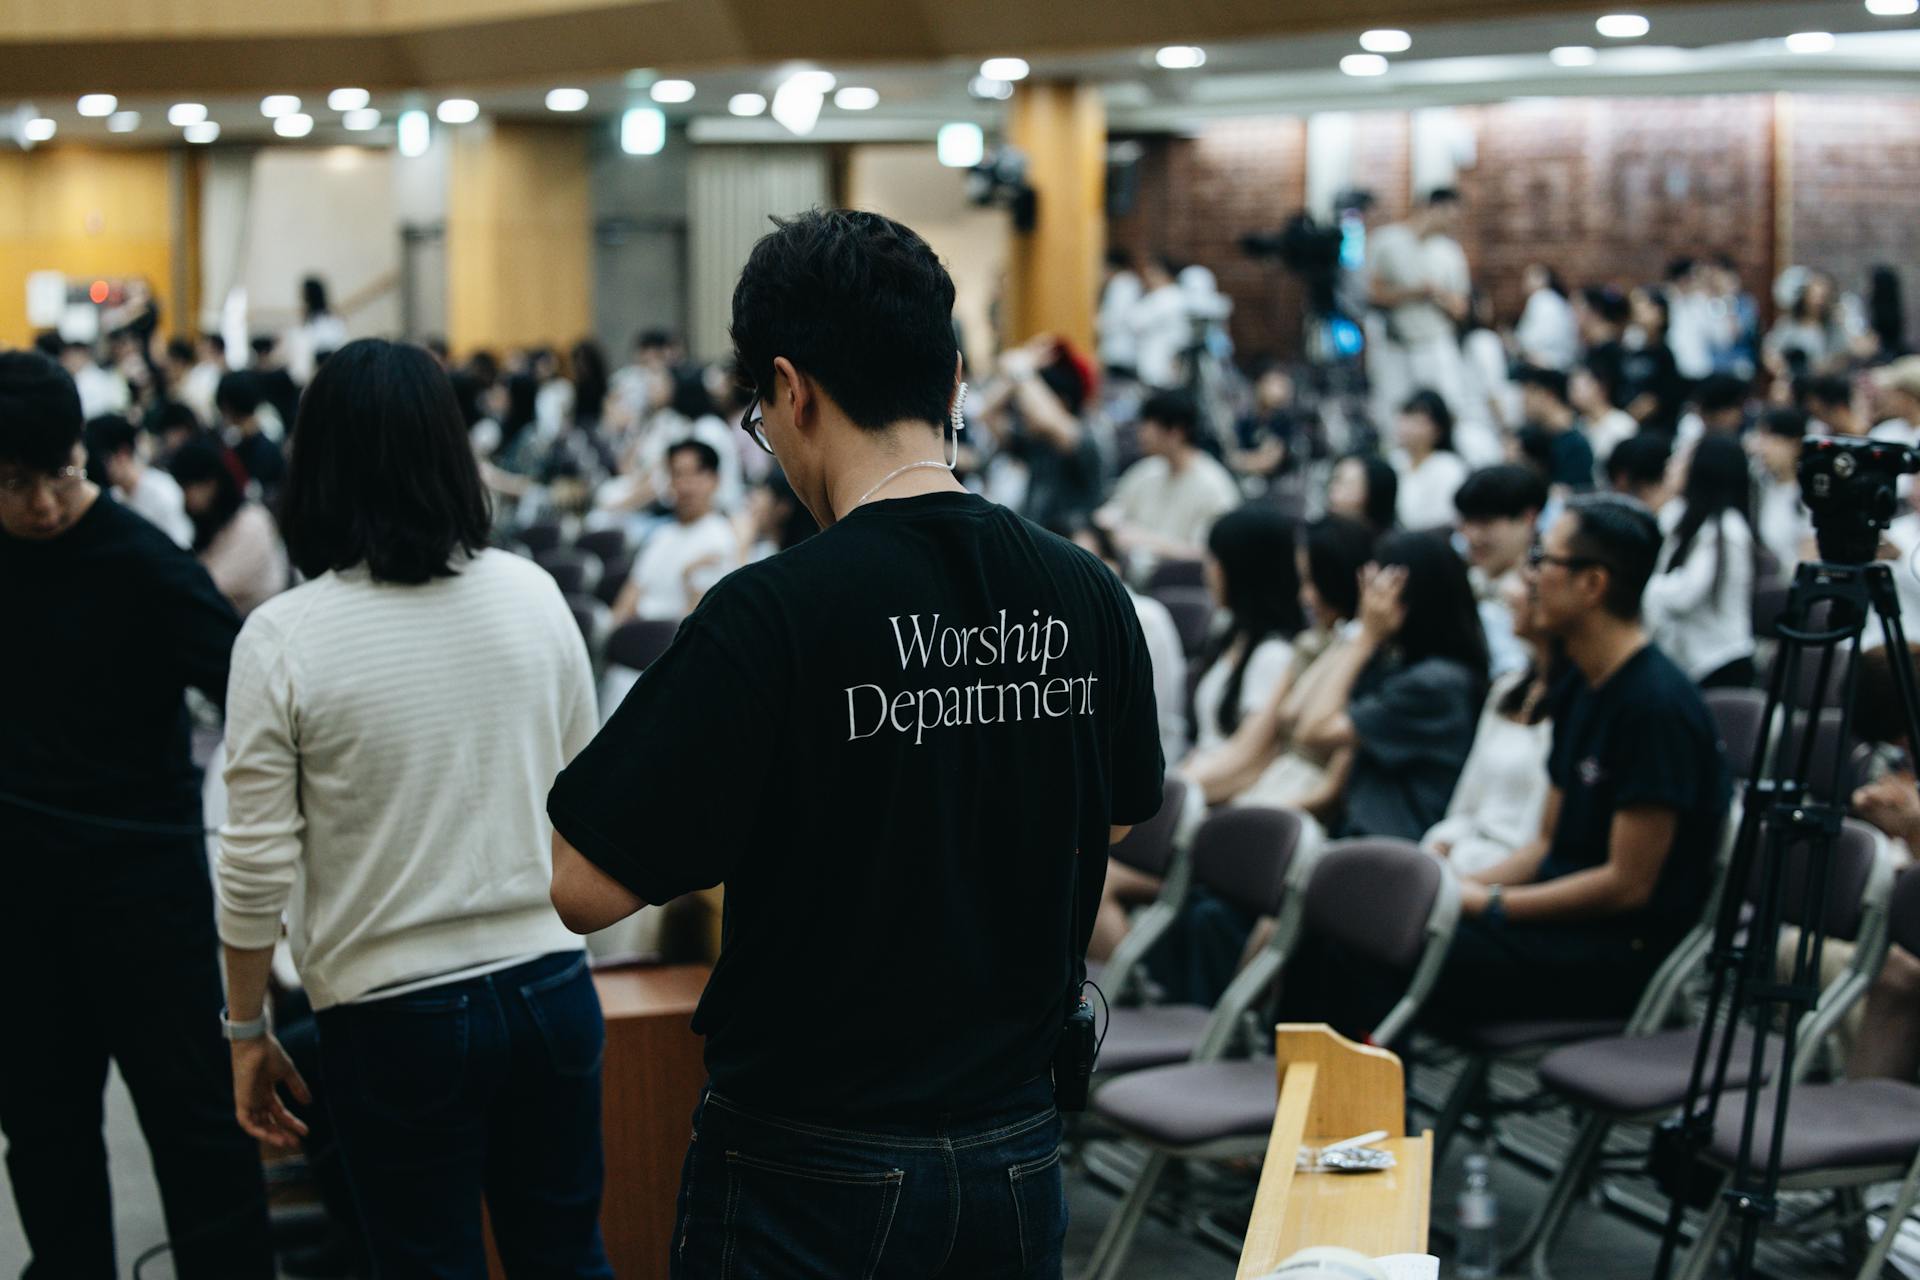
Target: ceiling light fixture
x,y
348,99
458,111
747,104
989,88
856,98
1364,64
275,105
297,125
361,120
1892,8
416,133
186,113
672,91
1005,68
960,145
1622,26
1810,42
1385,40
39,129
643,131
98,104
1573,55
797,102
123,122
1181,57
566,99
201,133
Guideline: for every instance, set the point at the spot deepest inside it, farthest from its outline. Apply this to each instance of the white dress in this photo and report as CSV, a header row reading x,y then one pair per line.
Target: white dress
x,y
1497,803
1426,490
1266,668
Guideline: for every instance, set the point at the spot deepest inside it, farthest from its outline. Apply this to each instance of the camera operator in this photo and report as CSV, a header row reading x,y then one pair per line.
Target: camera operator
x,y
904,745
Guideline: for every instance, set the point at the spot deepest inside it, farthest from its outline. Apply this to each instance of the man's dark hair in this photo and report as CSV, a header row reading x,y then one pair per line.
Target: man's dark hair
x,y
40,418
215,341
179,349
240,393
1442,195
859,303
49,344
108,434
1823,389
1119,259
1640,459
1337,548
382,473
1789,423
1503,492
1608,303
313,296
1172,409
652,339
1551,381
1621,536
1878,713
1679,268
1719,392
169,414
704,453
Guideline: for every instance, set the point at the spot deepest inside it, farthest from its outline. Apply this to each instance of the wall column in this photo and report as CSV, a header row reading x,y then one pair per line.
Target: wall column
x,y
1054,271
519,236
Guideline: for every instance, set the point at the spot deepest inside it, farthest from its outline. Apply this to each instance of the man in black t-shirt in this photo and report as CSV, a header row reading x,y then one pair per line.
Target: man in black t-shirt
x,y
107,947
904,747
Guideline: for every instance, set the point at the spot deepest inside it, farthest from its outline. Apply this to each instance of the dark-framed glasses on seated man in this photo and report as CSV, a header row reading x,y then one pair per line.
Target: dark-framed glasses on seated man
x,y
752,423
18,484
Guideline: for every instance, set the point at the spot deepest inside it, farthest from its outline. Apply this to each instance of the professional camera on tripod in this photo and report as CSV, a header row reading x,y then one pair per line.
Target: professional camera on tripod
x,y
1792,815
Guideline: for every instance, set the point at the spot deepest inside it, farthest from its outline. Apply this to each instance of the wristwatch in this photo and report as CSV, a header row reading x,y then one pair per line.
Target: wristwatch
x,y
1496,909
252,1029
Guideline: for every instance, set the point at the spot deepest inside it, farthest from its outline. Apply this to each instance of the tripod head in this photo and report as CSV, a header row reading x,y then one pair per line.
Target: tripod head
x,y
1850,488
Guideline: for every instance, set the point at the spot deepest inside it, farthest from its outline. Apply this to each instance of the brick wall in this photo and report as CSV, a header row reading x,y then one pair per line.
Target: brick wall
x,y
1854,165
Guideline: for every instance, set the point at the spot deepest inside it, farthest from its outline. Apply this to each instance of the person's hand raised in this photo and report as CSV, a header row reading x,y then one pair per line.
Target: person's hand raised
x,y
1382,609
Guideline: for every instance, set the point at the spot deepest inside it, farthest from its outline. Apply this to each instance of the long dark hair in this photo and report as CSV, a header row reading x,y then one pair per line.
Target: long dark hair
x,y
1337,549
1425,404
1383,489
1254,548
589,382
382,473
1443,619
1718,481
204,457
1886,313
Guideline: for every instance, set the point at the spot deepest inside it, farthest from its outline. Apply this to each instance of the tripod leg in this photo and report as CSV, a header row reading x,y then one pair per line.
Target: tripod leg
x,y
1699,1260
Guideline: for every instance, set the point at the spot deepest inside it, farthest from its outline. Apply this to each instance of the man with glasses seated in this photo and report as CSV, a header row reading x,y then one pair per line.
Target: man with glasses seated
x,y
107,946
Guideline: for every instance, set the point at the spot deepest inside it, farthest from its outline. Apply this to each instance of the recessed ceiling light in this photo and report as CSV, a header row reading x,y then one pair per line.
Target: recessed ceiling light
x,y
203,132
856,98
671,91
1810,42
416,132
275,105
797,102
361,120
643,131
1892,8
1364,64
1573,55
566,99
1385,40
123,122
38,129
814,81
960,145
186,113
747,104
348,99
98,104
458,111
1005,68
1622,26
297,125
988,87
1181,57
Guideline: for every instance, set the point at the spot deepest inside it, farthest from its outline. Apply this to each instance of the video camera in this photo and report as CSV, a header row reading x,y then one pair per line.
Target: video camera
x,y
1850,486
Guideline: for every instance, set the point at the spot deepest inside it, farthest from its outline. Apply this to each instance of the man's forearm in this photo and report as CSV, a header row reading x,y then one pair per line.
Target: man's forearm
x,y
247,972
1583,895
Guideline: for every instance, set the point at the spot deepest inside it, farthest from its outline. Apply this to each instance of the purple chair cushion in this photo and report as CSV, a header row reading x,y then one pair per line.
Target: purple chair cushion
x,y
1151,1036
1633,1075
1243,855
1374,897
1852,1124
1148,848
1193,1102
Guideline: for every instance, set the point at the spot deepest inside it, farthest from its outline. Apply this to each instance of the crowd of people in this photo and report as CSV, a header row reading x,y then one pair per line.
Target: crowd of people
x,y
1474,608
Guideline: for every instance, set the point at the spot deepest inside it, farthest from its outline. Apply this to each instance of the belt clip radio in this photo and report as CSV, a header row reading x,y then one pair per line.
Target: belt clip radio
x,y
1073,1057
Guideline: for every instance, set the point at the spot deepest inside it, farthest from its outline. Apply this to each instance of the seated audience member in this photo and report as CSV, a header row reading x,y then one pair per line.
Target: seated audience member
x,y
1496,804
1489,402
1637,469
1719,407
1430,471
242,402
1650,379
1547,334
458,1029
1164,649
1266,439
1603,313
773,520
1364,487
1250,573
1896,389
1574,924
1499,519
1033,413
1164,504
113,459
102,390
1604,425
171,424
1548,416
686,556
1404,690
1828,400
1699,604
1781,519
233,535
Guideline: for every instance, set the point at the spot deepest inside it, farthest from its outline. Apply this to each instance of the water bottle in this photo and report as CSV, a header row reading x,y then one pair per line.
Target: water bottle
x,y
1477,1256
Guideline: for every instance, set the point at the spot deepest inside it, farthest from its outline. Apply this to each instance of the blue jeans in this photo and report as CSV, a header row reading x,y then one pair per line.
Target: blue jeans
x,y
764,1197
488,1087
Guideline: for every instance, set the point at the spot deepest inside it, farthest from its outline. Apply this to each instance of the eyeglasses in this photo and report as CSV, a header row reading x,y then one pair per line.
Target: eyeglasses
x,y
62,482
1538,556
753,423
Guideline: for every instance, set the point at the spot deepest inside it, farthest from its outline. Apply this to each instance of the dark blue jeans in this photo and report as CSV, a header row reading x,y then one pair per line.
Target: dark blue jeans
x,y
488,1087
980,1196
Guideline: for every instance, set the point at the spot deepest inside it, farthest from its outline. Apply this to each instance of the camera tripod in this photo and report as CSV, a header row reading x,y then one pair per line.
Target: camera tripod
x,y
1782,812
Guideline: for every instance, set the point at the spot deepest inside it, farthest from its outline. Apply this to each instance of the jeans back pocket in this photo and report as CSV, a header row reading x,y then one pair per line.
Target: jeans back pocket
x,y
1040,1210
785,1219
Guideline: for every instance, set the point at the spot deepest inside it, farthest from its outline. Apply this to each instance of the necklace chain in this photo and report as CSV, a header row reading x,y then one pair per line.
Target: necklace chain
x,y
893,475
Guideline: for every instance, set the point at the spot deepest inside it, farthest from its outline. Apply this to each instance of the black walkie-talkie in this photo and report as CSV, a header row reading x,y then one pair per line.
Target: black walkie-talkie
x,y
1073,1057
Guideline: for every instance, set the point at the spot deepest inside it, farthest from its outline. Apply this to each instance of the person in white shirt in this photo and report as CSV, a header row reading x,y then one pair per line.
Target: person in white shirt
x,y
1119,352
1165,503
113,456
1780,518
1499,521
1691,319
101,390
1430,471
1417,274
1162,326
198,388
393,725
1548,335
686,556
1699,602
319,334
1896,393
1492,402
1164,649
1604,425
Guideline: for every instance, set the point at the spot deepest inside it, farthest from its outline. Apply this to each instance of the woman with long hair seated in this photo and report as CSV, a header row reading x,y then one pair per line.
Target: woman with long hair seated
x,y
1699,602
233,535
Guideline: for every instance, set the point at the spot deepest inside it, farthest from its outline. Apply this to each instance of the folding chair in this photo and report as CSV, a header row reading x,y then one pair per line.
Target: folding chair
x,y
618,569
608,544
1158,847
594,622
1386,900
1640,1078
1192,610
1849,1134
632,648
578,572
547,535
1177,573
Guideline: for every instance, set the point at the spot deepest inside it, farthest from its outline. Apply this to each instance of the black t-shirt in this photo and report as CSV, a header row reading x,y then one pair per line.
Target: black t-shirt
x,y
112,623
1061,487
1644,738
1652,370
888,743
